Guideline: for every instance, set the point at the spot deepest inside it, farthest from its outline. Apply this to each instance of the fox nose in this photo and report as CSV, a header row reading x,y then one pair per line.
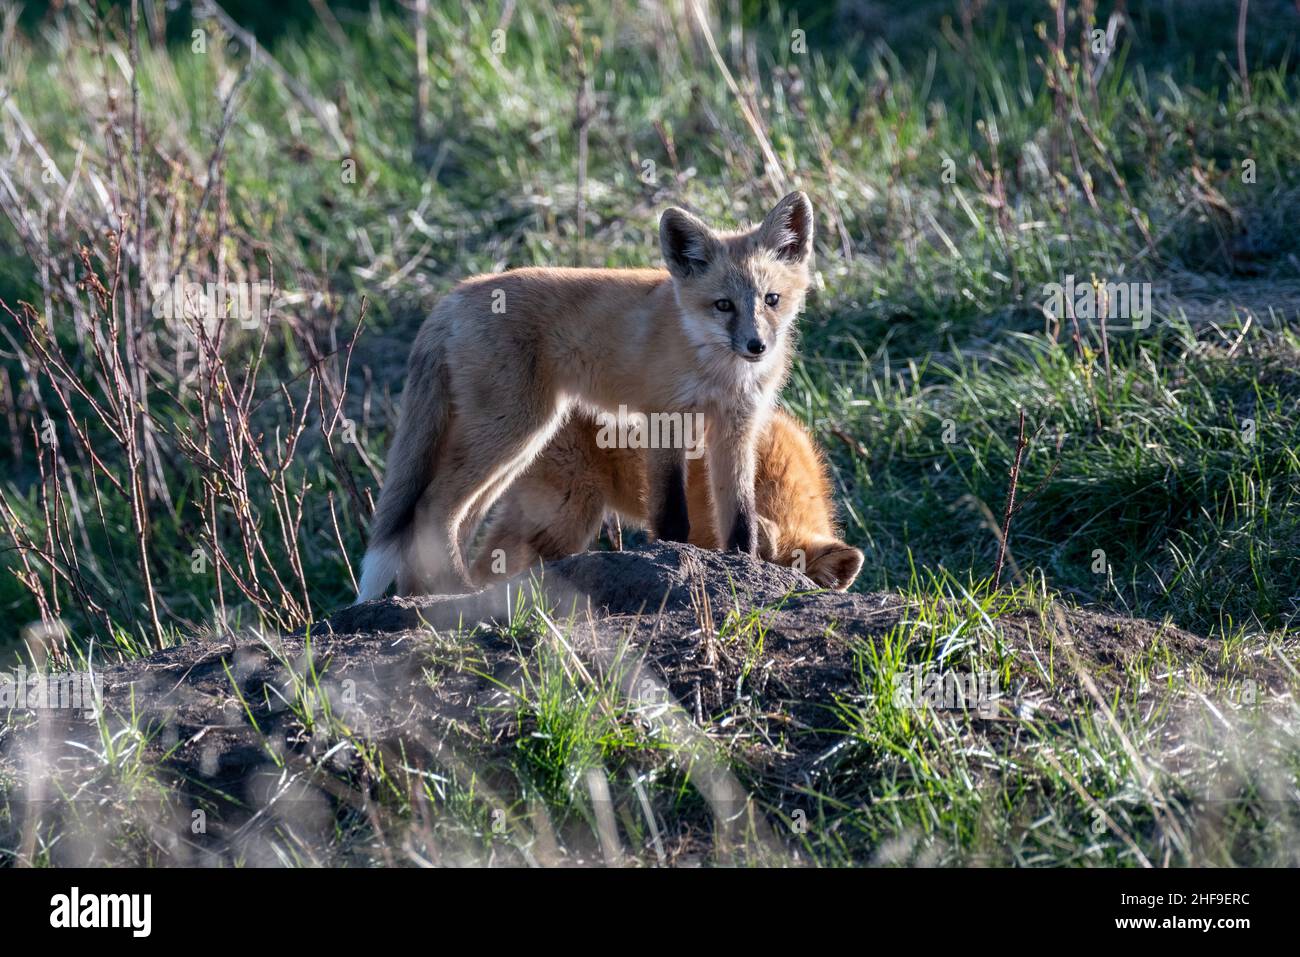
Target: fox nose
x,y
756,347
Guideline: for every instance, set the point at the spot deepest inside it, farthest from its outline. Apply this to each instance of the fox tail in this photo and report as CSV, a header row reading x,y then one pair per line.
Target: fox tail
x,y
420,427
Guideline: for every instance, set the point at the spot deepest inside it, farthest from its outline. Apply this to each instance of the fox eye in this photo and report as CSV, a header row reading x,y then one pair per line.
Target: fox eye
x,y
772,298
723,305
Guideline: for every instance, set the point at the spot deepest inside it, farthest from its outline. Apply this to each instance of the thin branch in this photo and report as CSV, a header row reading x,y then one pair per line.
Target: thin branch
x,y
1011,503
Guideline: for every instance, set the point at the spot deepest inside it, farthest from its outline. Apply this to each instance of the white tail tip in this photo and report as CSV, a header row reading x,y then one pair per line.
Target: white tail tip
x,y
378,569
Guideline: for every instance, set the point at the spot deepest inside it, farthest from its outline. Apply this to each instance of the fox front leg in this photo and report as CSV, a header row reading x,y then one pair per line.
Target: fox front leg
x,y
732,465
669,519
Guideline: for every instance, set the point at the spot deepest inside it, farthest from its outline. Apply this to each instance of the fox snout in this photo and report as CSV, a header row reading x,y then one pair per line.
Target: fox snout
x,y
750,337
752,350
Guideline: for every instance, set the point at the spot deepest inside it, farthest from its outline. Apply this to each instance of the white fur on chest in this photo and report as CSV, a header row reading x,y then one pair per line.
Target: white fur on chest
x,y
726,386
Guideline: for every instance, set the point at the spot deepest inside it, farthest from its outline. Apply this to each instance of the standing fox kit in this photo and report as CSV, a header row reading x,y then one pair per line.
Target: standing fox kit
x,y
556,507
504,359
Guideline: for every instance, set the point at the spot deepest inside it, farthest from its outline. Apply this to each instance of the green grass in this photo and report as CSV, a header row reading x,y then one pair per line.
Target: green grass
x,y
1070,761
1162,479
1180,468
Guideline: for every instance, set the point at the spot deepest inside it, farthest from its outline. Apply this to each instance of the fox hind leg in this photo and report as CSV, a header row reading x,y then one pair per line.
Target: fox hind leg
x,y
535,524
481,458
427,566
504,552
490,494
505,476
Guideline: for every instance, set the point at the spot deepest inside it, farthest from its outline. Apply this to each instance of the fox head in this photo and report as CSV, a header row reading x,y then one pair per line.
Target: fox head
x,y
829,562
740,291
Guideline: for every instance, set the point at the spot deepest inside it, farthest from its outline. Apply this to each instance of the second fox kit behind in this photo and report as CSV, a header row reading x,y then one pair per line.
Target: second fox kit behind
x,y
555,508
503,360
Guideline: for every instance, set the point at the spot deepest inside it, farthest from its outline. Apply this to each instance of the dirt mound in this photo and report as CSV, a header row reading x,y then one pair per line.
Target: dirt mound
x,y
610,583
237,730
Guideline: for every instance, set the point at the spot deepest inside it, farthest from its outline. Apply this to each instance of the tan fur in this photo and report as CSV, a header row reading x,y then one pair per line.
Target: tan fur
x,y
556,507
504,360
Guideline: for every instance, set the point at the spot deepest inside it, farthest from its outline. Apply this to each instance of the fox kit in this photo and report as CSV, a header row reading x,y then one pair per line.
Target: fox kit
x,y
504,359
555,508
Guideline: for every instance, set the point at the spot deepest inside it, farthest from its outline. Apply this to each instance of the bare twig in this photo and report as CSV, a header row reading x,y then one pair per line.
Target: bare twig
x,y
1011,503
772,165
420,14
324,113
1242,5
582,114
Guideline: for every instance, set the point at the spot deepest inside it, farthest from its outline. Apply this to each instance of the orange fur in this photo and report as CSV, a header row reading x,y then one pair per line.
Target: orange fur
x,y
556,507
504,360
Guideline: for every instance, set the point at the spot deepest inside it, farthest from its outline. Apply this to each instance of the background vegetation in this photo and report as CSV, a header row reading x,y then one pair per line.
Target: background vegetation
x,y
169,477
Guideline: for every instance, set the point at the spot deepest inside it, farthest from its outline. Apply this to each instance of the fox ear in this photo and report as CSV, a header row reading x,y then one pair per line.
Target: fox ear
x,y
835,565
689,246
788,228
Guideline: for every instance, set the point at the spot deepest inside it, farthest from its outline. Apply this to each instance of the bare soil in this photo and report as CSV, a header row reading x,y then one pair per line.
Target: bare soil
x,y
418,681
